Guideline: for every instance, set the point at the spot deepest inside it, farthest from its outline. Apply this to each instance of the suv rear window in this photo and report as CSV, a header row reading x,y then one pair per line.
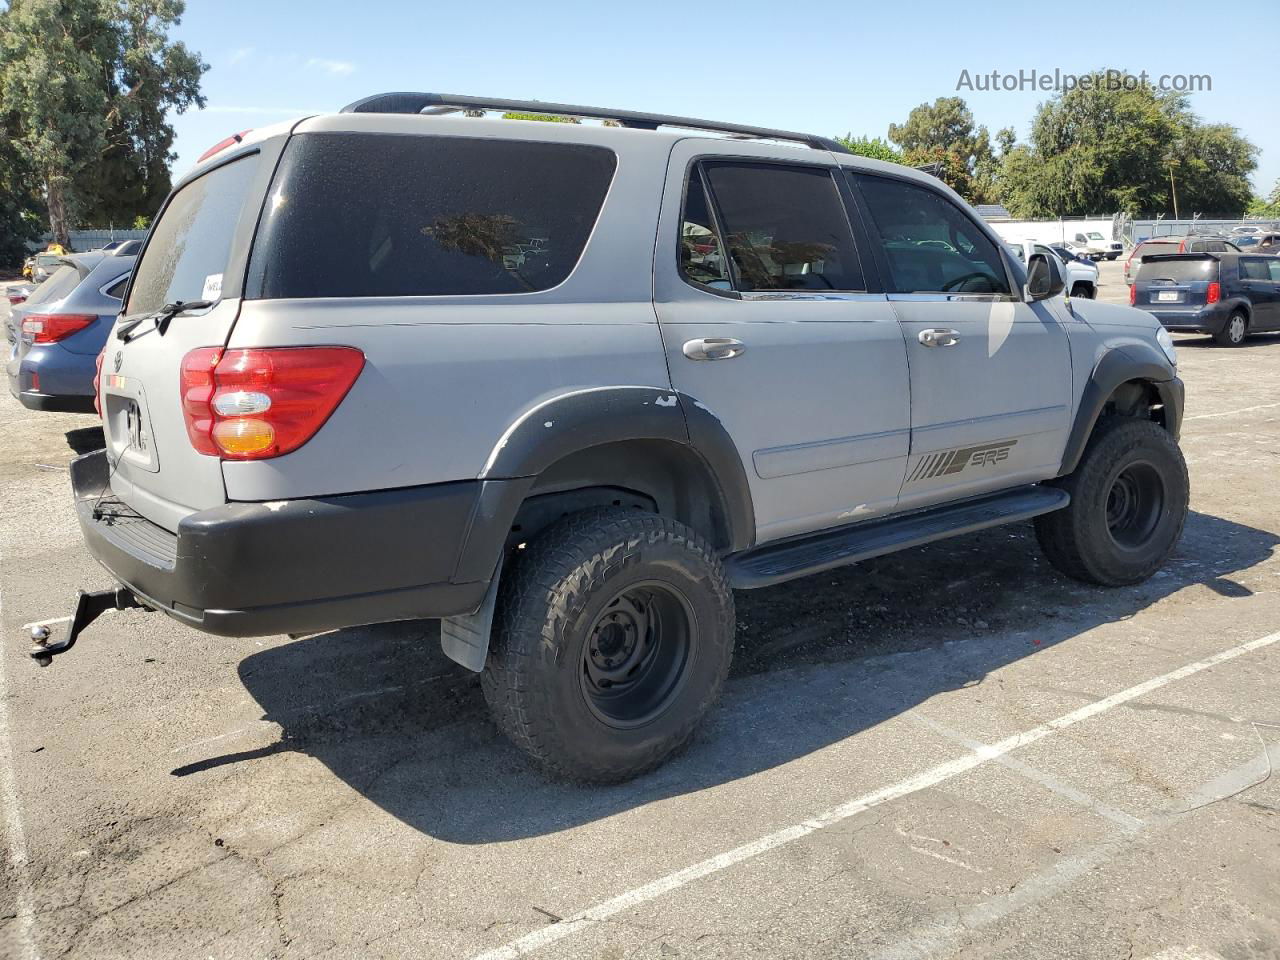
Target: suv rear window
x,y
61,282
1149,248
1179,271
191,242
387,215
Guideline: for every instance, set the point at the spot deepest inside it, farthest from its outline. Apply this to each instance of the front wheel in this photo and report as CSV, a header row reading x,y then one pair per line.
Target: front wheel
x,y
613,636
1128,505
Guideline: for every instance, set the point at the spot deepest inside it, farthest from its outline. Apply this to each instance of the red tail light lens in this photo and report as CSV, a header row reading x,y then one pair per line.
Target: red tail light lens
x,y
1214,293
264,402
52,327
17,298
97,381
1133,294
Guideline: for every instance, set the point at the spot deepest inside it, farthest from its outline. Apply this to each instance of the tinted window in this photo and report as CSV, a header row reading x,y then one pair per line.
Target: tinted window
x,y
1150,248
61,282
191,242
931,246
785,227
1179,271
1273,268
380,215
1254,269
701,253
116,290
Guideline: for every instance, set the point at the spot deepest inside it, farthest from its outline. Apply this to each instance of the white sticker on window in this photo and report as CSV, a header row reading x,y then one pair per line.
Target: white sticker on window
x,y
212,287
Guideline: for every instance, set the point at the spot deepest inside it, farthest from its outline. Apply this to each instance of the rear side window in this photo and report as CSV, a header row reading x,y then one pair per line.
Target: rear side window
x,y
116,290
191,243
385,215
1254,269
785,227
930,245
1150,249
1179,271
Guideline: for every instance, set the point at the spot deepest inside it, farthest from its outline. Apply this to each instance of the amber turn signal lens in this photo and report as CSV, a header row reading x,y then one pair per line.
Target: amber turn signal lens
x,y
243,435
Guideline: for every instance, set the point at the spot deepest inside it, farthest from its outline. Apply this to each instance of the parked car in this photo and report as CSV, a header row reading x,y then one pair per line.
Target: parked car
x,y
18,293
1228,295
1268,243
1174,244
1081,273
501,378
44,264
1097,246
56,335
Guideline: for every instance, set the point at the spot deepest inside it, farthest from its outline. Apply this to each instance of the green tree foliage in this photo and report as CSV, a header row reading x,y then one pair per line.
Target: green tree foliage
x,y
21,214
1101,150
1266,206
943,132
88,83
872,147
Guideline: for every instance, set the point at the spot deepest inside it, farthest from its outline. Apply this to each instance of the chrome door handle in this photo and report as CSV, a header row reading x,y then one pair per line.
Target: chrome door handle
x,y
937,337
713,348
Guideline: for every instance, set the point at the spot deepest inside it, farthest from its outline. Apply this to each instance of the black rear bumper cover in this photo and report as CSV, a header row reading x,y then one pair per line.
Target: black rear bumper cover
x,y
301,566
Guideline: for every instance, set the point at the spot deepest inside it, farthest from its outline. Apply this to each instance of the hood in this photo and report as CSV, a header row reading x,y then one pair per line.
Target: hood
x,y
1100,314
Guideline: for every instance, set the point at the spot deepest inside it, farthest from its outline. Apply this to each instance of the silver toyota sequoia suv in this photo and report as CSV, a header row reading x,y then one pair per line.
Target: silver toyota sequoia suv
x,y
566,386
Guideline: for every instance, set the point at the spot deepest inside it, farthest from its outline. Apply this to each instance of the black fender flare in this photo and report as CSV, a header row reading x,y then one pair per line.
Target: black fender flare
x,y
1133,361
576,421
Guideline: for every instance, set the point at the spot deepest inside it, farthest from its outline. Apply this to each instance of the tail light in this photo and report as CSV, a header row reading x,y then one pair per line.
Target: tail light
x,y
97,381
52,327
1133,294
222,145
262,402
17,298
1214,293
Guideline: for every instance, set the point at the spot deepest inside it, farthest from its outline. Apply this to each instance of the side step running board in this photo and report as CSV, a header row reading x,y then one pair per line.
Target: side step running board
x,y
798,557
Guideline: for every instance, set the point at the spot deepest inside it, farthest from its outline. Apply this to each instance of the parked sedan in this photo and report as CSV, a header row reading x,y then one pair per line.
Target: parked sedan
x,y
55,336
1228,295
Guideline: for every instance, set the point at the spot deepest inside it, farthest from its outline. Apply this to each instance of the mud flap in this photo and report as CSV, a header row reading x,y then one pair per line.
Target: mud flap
x,y
465,639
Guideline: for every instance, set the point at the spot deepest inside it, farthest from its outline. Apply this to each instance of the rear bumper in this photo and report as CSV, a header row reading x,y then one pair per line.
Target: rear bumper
x,y
1207,320
55,404
299,566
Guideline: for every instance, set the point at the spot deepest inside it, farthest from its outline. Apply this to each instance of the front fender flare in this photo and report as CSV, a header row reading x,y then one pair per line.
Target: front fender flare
x,y
1133,361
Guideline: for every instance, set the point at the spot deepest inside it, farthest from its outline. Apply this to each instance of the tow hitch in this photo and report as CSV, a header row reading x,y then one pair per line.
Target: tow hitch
x,y
89,607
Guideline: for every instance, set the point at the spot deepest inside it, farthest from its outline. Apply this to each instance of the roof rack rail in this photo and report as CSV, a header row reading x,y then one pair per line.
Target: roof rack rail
x,y
438,103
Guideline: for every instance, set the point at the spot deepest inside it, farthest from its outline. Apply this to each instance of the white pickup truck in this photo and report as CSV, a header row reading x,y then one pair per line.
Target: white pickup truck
x,y
1081,278
1097,246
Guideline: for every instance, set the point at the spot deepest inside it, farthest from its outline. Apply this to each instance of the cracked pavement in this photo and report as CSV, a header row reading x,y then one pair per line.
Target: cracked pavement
x,y
344,795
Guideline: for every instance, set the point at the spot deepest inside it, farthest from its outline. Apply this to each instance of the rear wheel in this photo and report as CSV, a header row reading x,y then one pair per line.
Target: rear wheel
x,y
613,636
1235,331
1128,505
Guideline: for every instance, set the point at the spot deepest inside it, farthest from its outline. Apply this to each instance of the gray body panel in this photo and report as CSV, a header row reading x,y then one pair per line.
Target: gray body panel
x,y
833,410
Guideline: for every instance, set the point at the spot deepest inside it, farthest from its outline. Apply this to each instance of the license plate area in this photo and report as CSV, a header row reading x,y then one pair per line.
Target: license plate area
x,y
126,424
1168,296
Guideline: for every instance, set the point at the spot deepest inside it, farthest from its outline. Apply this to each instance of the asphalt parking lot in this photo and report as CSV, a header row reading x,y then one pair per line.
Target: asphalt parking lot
x,y
949,752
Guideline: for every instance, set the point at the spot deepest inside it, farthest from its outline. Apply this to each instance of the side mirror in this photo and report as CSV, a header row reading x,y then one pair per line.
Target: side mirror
x,y
1044,279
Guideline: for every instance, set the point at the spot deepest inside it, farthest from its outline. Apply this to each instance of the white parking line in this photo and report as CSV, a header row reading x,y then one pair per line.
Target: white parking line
x,y
1231,413
576,923
15,837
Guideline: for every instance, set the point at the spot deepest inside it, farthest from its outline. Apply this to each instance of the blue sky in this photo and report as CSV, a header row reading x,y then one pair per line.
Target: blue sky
x,y
826,68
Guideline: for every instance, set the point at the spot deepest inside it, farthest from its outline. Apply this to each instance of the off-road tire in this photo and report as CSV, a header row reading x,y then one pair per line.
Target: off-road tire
x,y
1234,332
1079,540
535,679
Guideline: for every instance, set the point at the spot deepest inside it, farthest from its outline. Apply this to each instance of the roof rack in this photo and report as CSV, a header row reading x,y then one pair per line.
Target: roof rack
x,y
438,103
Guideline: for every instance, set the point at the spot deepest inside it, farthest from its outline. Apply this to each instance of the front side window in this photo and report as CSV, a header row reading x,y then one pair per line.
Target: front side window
x,y
929,244
191,242
785,227
386,215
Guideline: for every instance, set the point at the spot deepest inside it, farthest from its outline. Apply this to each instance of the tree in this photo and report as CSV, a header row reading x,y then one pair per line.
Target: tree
x,y
544,117
88,83
944,132
1266,207
872,147
20,213
1104,148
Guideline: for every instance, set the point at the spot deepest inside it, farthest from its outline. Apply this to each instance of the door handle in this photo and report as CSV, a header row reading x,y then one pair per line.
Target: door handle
x,y
713,348
939,337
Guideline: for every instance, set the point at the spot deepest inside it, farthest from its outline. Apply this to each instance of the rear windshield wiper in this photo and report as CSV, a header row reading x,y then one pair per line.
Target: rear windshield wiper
x,y
162,316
